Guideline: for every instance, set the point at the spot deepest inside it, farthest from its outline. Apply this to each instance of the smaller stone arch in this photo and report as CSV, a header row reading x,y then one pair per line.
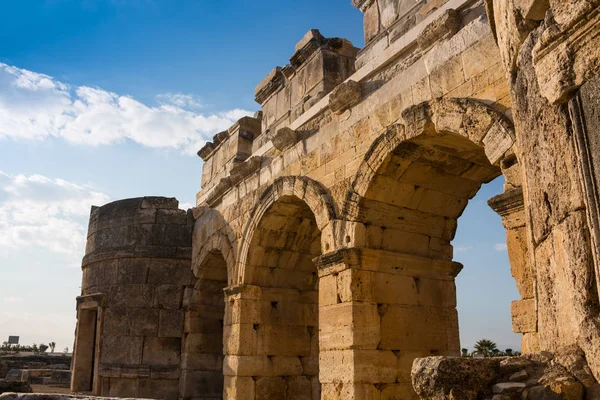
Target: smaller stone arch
x,y
216,244
316,197
212,235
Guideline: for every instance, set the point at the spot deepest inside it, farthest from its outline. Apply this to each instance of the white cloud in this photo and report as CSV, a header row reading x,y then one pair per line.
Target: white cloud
x,y
37,106
40,212
500,247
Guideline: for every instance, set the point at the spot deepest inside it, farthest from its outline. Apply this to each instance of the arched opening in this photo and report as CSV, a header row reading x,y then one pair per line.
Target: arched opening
x,y
272,350
413,187
204,308
485,287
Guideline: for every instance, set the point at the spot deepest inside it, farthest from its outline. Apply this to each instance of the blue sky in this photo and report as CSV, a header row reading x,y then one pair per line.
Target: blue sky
x,y
109,99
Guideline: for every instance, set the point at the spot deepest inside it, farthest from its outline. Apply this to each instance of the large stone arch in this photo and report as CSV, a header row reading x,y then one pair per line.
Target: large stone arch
x,y
316,197
467,118
394,268
272,314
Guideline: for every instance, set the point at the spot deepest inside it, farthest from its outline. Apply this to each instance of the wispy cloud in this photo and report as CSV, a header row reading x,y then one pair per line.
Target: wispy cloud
x,y
13,300
36,106
184,101
500,247
37,211
463,249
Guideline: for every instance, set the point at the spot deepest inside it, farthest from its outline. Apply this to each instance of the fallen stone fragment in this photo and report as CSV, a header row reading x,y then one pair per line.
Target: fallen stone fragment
x,y
519,376
439,377
508,387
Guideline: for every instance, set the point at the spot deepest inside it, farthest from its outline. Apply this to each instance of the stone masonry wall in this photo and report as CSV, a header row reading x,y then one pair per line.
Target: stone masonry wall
x,y
549,50
137,264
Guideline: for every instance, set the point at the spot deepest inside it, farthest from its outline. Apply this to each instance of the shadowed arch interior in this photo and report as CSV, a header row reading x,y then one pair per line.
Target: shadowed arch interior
x,y
419,191
282,247
204,309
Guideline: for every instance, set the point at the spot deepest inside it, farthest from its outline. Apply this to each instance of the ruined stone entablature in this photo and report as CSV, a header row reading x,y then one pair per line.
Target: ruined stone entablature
x,y
322,253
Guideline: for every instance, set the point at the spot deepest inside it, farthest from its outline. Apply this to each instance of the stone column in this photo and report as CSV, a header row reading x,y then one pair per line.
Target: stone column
x,y
270,343
242,314
378,310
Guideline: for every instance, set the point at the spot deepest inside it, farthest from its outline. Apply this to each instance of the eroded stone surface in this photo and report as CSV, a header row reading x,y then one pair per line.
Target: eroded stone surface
x,y
540,376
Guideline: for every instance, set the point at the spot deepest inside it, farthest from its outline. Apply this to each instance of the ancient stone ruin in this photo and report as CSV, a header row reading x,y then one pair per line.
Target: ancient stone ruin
x,y
318,260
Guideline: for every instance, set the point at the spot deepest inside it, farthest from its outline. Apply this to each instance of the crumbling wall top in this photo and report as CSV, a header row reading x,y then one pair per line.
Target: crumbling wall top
x,y
317,66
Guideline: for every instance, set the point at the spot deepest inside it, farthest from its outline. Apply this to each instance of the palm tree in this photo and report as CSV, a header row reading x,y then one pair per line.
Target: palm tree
x,y
486,347
52,346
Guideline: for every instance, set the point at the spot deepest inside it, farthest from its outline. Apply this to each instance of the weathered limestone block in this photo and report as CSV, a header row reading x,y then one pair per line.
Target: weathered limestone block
x,y
169,388
436,378
520,263
349,325
170,323
241,171
284,138
239,388
533,9
345,96
161,351
122,350
530,343
204,384
442,28
524,316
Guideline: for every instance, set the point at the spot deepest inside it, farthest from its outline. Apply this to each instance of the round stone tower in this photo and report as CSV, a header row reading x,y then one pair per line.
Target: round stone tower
x,y
136,269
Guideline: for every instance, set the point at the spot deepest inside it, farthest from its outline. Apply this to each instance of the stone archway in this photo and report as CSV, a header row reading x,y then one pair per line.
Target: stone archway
x,y
272,338
204,314
391,293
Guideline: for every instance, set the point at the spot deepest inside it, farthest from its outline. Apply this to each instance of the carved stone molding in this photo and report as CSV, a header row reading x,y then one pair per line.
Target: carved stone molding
x,y
508,202
205,152
362,5
585,114
345,96
567,56
442,28
271,84
241,171
219,191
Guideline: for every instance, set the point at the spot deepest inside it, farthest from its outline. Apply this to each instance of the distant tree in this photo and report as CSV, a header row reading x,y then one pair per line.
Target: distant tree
x,y
52,346
65,350
465,352
509,352
34,348
43,348
486,347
